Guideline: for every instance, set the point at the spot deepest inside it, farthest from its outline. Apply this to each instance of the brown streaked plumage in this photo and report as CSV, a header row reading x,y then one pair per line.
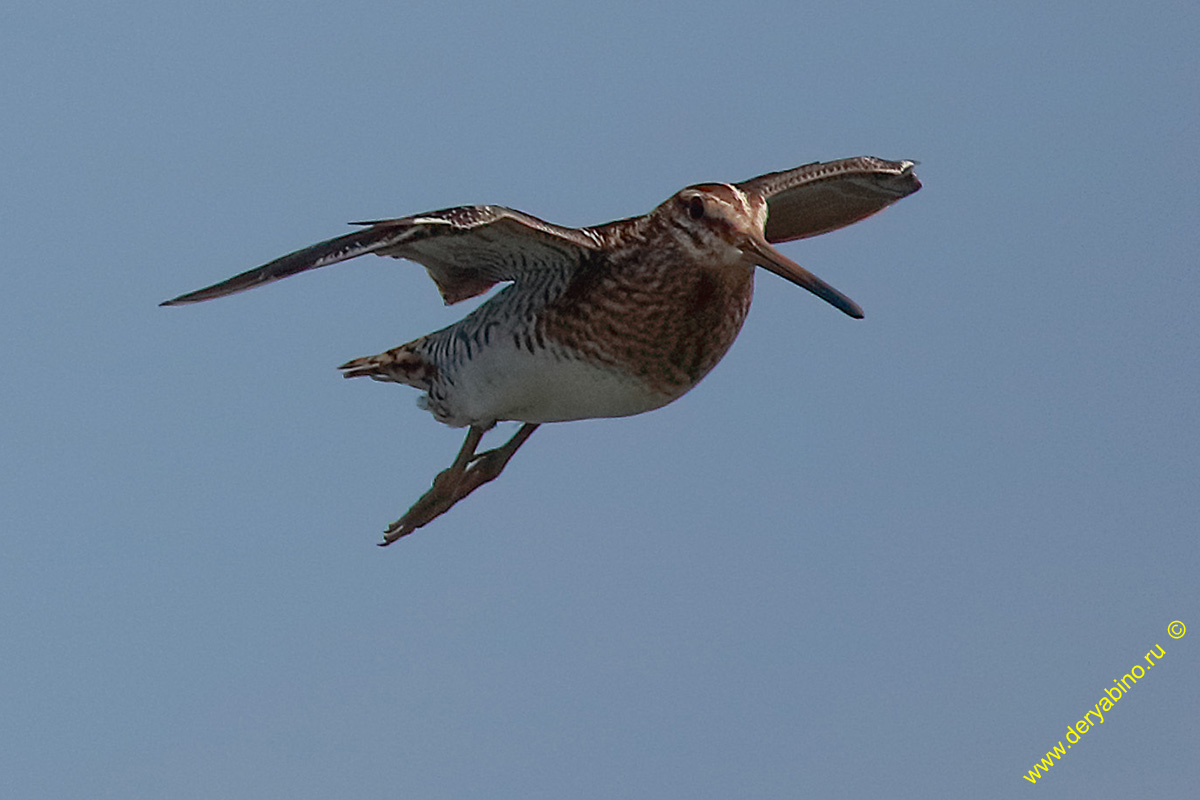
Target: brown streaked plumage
x,y
606,321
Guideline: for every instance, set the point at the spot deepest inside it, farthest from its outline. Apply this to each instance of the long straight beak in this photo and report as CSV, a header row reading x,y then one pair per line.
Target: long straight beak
x,y
769,258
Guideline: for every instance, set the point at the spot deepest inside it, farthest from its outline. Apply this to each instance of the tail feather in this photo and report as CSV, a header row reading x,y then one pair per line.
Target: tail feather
x,y
398,365
359,368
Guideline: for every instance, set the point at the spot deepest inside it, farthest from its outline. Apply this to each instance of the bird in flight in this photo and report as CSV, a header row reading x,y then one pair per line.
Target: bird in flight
x,y
604,321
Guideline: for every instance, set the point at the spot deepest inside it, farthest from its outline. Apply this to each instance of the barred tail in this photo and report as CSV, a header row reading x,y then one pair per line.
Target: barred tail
x,y
398,365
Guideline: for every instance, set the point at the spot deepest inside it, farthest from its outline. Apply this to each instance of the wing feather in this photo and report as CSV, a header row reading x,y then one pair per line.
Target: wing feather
x,y
466,251
825,196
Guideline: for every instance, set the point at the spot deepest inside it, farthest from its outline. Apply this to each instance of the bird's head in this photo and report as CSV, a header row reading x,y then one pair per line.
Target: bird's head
x,y
722,223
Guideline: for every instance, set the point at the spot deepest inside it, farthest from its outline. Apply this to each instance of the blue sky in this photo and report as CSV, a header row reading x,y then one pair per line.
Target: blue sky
x,y
894,557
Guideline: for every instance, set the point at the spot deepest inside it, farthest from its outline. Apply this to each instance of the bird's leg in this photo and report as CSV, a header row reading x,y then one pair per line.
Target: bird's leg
x,y
440,496
468,472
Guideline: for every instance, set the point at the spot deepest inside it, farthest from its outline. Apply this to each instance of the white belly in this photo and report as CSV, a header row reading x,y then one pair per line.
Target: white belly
x,y
506,383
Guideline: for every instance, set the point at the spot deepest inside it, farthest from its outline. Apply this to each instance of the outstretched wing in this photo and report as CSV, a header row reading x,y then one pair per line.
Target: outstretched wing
x,y
824,196
466,251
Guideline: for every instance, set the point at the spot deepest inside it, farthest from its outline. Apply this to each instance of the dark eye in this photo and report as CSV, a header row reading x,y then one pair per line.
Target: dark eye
x,y
696,207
